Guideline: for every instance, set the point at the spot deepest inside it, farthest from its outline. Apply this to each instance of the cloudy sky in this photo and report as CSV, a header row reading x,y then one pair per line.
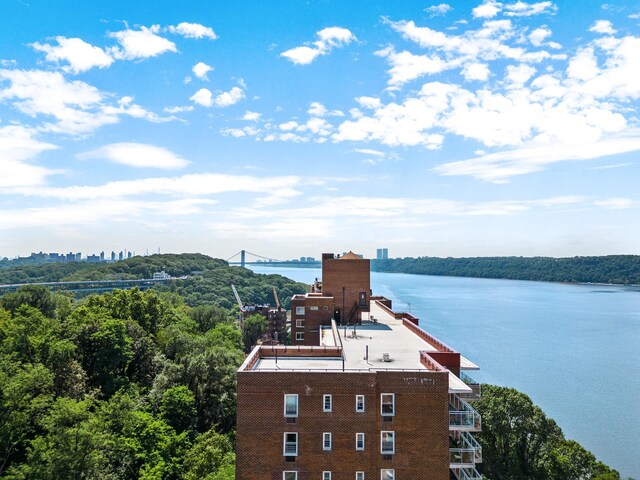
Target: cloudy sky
x,y
291,128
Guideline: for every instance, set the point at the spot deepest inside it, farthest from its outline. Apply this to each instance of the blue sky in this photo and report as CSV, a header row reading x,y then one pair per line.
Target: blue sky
x,y
290,128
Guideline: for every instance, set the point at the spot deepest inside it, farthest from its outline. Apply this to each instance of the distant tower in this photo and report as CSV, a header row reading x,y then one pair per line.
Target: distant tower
x,y
242,258
382,254
113,256
121,255
102,256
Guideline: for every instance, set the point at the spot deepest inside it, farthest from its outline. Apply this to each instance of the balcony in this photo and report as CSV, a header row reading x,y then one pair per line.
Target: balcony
x,y
466,474
465,450
476,391
462,416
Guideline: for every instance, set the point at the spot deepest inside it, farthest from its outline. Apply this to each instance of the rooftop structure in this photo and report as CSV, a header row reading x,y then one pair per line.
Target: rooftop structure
x,y
379,398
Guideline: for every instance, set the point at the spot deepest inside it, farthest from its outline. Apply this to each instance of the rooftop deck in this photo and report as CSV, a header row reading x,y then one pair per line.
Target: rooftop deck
x,y
383,343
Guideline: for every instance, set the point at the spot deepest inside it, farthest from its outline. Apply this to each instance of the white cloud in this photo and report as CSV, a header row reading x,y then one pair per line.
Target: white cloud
x,y
329,38
476,71
226,99
405,66
615,203
369,151
523,9
518,75
603,26
539,35
143,43
137,155
251,116
287,126
201,69
499,167
438,10
193,30
179,109
317,109
583,66
205,98
18,148
79,55
488,9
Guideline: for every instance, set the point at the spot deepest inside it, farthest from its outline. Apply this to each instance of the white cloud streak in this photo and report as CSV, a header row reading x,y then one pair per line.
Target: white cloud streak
x,y
328,39
137,155
78,54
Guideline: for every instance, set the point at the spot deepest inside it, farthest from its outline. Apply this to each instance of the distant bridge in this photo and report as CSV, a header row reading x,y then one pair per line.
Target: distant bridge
x,y
272,262
89,285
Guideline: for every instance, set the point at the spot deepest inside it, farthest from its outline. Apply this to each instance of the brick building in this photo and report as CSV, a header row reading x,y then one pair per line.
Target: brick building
x,y
344,295
378,398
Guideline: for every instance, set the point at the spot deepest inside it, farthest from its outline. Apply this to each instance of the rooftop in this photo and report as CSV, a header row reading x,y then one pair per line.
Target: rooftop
x,y
390,342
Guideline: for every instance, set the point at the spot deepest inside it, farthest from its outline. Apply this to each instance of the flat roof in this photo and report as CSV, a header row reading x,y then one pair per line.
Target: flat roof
x,y
365,348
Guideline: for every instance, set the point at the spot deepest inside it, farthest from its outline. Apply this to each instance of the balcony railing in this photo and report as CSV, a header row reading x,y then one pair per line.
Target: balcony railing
x,y
465,450
469,473
476,390
462,416
462,457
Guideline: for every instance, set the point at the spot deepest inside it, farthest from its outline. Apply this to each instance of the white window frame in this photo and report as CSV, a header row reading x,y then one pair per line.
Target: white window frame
x,y
326,475
295,474
385,471
299,310
326,446
358,398
393,405
359,475
299,322
326,397
299,336
393,441
284,444
359,435
292,395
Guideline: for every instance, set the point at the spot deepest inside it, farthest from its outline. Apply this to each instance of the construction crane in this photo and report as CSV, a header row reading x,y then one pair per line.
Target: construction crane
x,y
275,295
235,292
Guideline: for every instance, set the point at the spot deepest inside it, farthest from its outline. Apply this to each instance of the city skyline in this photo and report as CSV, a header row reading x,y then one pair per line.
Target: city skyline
x,y
434,129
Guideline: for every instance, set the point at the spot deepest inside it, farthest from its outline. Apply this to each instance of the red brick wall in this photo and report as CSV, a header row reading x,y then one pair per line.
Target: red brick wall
x,y
348,276
313,319
420,424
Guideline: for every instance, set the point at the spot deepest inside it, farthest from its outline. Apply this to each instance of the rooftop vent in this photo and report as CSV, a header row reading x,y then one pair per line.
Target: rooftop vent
x,y
386,357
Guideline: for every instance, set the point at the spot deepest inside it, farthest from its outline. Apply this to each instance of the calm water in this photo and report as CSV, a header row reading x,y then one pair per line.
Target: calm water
x,y
574,349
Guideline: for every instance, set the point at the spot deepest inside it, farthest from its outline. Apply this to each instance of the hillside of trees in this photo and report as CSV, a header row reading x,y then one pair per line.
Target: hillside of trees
x,y
618,269
210,287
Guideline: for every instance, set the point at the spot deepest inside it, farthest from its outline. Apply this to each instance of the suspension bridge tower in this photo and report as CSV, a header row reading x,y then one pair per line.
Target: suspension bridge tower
x,y
242,258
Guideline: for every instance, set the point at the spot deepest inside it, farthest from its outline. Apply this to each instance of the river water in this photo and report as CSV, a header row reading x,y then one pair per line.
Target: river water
x,y
574,349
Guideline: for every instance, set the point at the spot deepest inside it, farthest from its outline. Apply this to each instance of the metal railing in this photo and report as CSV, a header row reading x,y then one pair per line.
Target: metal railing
x,y
468,473
462,416
291,448
476,389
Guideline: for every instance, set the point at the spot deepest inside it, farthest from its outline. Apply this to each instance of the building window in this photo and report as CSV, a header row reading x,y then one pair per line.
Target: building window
x,y
314,308
387,404
326,441
359,475
326,403
290,475
359,441
300,322
299,310
387,474
326,475
359,403
299,336
291,405
387,442
290,444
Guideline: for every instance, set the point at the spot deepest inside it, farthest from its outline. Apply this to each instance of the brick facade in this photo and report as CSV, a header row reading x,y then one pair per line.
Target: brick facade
x,y
420,424
348,280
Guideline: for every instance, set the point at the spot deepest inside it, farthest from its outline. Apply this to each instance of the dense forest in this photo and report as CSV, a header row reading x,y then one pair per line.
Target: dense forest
x,y
619,269
211,285
141,385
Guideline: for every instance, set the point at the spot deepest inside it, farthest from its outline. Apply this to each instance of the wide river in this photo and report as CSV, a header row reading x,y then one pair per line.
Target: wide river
x,y
574,349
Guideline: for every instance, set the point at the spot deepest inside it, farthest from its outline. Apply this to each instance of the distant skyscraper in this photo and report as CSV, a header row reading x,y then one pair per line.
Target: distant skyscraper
x,y
113,256
129,254
121,255
382,254
102,256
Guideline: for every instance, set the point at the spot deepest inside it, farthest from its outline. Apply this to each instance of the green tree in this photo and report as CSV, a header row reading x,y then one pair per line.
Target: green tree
x,y
210,458
178,408
35,296
253,327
